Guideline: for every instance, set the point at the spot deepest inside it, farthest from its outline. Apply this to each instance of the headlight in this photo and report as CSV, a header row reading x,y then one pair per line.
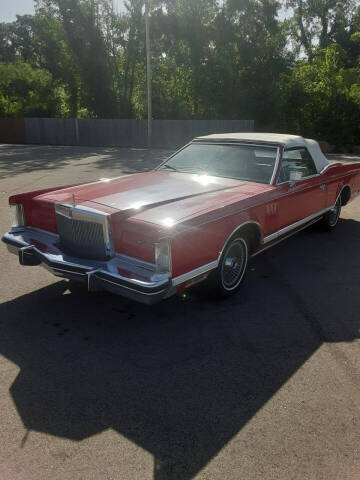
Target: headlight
x,y
17,217
163,256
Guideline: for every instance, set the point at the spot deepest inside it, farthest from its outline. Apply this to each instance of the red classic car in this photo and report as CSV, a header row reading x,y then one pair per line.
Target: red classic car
x,y
198,217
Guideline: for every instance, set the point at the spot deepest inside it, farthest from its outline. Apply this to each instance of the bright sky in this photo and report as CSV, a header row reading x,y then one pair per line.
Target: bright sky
x,y
10,8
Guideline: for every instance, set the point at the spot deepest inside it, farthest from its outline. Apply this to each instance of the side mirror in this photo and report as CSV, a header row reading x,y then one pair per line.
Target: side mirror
x,y
294,175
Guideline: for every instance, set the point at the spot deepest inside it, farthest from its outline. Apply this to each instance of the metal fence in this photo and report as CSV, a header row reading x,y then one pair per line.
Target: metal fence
x,y
123,132
12,130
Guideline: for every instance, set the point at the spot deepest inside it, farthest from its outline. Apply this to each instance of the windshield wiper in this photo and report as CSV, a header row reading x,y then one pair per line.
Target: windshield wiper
x,y
197,170
169,167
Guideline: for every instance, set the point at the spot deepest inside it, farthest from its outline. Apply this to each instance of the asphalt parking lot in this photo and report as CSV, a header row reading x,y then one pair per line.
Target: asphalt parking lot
x,y
265,385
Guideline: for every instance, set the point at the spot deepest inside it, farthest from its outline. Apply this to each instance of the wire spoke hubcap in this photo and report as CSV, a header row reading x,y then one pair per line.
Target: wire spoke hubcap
x,y
234,265
334,213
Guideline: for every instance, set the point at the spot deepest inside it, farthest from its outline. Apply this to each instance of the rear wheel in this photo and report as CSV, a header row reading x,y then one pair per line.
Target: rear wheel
x,y
331,218
227,278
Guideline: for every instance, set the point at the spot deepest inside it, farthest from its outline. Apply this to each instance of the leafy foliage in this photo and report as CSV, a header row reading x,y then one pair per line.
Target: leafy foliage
x,y
30,92
321,99
210,59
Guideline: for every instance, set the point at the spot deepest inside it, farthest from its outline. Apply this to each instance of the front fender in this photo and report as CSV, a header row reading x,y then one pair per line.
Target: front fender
x,y
201,244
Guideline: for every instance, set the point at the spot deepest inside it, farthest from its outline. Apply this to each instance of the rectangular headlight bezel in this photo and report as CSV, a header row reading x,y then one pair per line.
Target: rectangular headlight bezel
x,y
17,215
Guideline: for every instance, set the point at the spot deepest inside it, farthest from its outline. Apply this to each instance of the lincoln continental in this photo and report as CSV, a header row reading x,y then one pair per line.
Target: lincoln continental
x,y
198,217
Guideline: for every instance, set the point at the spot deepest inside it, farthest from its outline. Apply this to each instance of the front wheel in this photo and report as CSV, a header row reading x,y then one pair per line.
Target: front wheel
x,y
227,278
331,218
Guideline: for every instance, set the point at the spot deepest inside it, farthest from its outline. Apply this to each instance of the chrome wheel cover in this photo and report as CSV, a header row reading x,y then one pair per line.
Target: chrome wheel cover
x,y
234,264
334,213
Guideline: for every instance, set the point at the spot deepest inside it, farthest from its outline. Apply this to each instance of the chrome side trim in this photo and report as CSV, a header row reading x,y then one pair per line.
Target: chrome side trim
x,y
293,226
194,273
285,238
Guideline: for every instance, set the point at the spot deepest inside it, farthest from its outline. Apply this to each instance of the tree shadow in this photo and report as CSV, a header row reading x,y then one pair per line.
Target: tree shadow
x,y
20,159
181,378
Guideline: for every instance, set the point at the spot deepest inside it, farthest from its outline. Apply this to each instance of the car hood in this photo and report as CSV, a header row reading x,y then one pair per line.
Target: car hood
x,y
144,188
151,195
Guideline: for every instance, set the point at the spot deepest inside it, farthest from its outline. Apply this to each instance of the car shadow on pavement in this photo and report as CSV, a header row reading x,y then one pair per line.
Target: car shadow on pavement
x,y
180,378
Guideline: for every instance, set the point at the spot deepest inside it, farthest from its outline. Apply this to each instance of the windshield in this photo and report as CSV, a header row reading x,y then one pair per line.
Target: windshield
x,y
243,162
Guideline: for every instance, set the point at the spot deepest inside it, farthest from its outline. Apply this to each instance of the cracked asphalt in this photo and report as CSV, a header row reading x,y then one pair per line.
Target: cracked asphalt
x,y
265,385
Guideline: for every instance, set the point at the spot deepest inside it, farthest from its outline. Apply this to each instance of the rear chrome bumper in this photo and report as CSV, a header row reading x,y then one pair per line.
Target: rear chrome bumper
x,y
121,275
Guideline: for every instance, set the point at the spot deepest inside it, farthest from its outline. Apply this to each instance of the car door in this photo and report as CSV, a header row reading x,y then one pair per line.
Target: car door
x,y
302,194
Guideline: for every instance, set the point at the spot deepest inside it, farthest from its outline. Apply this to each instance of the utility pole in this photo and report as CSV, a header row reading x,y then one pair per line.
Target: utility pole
x,y
148,74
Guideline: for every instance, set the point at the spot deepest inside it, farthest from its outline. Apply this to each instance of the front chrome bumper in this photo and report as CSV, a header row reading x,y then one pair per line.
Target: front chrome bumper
x,y
121,275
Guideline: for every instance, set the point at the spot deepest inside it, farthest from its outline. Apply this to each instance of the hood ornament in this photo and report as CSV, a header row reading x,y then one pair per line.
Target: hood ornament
x,y
73,199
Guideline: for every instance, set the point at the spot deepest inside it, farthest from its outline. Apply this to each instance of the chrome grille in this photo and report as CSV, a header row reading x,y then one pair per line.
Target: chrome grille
x,y
83,233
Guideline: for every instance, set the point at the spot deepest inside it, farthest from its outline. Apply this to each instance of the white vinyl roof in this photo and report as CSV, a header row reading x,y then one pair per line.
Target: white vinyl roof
x,y
288,141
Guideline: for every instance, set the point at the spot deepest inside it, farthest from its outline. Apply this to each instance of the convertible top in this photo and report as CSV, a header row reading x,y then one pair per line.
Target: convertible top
x,y
283,139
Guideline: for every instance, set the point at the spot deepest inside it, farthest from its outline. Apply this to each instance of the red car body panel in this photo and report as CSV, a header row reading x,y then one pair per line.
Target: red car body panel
x,y
203,211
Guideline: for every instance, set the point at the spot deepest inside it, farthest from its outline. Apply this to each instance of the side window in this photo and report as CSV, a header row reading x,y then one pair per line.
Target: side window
x,y
296,164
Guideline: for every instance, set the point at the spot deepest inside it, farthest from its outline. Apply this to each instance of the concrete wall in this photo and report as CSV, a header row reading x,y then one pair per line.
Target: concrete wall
x,y
125,133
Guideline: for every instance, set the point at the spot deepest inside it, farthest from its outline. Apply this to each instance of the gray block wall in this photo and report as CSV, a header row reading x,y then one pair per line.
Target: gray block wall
x,y
125,132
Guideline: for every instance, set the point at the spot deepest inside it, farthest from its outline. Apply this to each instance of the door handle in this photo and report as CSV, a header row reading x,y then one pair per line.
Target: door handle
x,y
322,187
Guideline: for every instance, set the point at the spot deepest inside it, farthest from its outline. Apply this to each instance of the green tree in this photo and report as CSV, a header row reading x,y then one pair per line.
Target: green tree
x,y
28,92
322,99
81,21
248,58
318,23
